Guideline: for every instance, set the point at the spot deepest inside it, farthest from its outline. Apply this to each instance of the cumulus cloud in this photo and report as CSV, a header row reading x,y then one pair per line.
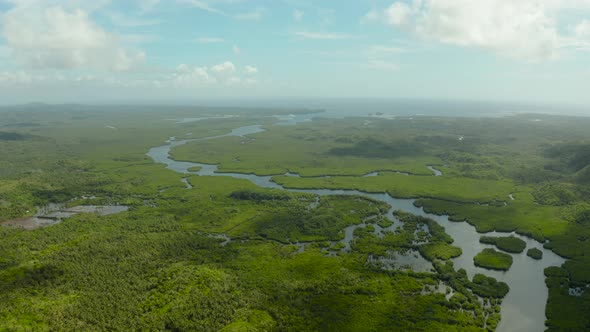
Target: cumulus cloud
x,y
398,13
16,79
250,70
226,68
524,29
57,38
583,30
186,76
225,73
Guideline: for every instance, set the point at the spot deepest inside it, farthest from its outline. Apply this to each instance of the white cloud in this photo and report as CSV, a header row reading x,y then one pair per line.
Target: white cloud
x,y
186,76
583,30
236,49
524,29
250,70
321,35
399,13
56,38
298,15
225,73
209,40
42,81
226,68
254,15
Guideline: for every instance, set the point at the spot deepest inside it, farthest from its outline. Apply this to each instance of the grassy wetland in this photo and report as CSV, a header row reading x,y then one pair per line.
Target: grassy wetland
x,y
226,254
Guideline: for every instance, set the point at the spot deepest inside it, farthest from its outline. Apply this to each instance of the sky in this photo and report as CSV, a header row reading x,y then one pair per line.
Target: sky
x,y
165,50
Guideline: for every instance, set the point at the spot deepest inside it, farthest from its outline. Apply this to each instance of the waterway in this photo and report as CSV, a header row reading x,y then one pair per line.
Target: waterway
x,y
523,308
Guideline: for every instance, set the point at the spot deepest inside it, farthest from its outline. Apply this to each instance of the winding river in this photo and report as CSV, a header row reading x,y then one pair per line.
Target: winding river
x,y
523,308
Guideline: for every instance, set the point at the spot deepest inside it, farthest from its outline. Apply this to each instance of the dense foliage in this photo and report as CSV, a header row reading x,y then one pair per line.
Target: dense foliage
x,y
506,243
492,259
534,253
162,265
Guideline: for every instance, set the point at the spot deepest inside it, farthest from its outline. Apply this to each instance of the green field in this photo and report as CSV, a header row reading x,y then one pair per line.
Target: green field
x,y
161,264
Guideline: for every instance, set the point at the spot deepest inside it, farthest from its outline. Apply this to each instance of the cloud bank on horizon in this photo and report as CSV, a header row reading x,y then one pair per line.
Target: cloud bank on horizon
x,y
104,50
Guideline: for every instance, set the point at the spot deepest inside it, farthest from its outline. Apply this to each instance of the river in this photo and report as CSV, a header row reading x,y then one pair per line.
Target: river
x,y
523,308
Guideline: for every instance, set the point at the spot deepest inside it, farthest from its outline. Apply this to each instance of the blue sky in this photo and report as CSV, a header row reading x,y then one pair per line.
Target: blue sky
x,y
165,50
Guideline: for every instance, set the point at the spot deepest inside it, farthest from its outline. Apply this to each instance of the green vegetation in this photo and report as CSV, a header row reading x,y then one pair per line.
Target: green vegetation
x,y
507,243
534,253
310,149
441,251
403,186
297,222
561,314
432,245
481,285
492,259
489,287
161,265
